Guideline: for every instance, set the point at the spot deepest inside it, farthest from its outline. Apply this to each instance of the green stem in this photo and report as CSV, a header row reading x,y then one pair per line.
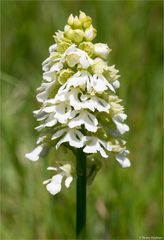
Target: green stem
x,y
81,195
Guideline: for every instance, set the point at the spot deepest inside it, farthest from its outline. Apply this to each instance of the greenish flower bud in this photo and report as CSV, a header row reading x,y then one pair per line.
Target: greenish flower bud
x,y
77,23
59,38
68,32
115,105
55,56
88,47
82,16
78,36
110,72
85,20
116,146
98,66
114,98
62,46
90,33
64,75
72,60
101,131
70,20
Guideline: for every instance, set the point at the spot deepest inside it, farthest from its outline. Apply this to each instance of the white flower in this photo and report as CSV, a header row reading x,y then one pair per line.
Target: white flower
x,y
118,120
79,101
50,76
100,84
122,159
44,91
83,117
73,136
54,58
101,50
75,55
54,184
94,145
61,112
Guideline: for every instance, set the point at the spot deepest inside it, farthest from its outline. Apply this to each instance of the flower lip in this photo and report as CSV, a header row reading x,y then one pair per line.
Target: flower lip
x,y
54,184
122,158
40,151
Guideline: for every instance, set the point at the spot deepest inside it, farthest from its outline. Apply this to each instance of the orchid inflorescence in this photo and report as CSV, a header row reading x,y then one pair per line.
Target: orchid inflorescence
x,y
80,108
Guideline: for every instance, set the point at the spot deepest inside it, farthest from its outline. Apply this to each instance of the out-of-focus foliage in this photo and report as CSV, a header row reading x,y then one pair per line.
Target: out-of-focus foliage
x,y
122,203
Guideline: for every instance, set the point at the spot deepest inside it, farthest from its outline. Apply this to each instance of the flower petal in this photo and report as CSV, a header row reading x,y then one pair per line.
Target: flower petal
x,y
51,121
63,112
53,48
49,109
34,155
74,99
49,76
100,84
56,67
68,181
121,127
122,159
44,89
52,168
116,84
54,186
47,181
59,133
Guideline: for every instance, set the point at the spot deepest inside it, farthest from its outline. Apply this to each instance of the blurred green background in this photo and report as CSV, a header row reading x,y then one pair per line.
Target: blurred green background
x,y
122,203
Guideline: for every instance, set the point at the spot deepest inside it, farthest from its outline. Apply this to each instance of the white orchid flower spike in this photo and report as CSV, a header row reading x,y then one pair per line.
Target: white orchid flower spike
x,y
80,108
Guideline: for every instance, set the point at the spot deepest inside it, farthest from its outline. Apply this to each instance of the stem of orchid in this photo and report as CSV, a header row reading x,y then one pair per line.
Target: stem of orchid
x,y
81,195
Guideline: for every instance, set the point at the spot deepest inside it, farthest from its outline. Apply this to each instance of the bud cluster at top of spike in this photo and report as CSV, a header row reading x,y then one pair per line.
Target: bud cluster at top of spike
x,y
79,29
